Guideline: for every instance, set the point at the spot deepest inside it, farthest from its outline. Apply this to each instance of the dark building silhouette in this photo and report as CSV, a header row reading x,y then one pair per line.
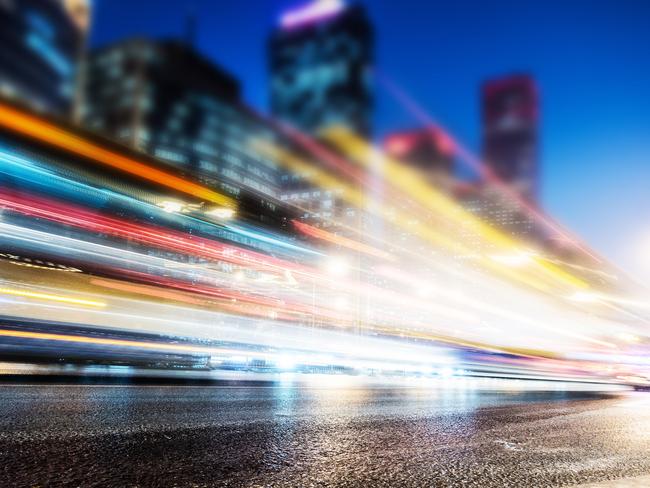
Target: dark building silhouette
x,y
510,112
320,59
41,42
141,92
429,150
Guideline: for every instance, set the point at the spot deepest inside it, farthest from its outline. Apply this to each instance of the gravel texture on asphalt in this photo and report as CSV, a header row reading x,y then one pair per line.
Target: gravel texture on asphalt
x,y
92,436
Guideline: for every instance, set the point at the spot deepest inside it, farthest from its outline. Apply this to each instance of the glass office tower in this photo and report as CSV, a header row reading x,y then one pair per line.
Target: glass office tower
x,y
320,58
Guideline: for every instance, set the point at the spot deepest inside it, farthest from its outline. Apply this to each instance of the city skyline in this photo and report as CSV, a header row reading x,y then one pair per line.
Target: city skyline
x,y
592,96
306,242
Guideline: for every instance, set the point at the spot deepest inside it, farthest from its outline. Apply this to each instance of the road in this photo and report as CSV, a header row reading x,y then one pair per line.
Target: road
x,y
286,436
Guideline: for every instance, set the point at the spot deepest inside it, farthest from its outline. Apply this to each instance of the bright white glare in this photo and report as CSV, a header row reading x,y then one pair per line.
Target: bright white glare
x,y
337,266
514,260
634,255
583,296
222,213
428,370
170,206
341,303
446,372
424,291
627,337
285,362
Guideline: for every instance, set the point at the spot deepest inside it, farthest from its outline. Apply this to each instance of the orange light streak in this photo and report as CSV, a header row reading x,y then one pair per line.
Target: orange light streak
x,y
49,133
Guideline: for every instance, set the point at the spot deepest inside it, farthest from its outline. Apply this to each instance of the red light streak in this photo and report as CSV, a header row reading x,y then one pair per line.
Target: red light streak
x,y
340,240
158,237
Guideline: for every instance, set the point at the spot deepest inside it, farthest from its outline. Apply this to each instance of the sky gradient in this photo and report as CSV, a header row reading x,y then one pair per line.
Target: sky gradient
x,y
590,59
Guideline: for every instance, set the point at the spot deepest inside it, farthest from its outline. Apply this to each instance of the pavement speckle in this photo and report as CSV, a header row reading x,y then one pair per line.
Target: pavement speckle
x,y
300,437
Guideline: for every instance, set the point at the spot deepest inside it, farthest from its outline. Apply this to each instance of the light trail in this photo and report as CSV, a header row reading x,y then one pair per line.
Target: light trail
x,y
166,239
395,217
412,184
50,297
457,312
158,346
411,297
476,163
40,130
99,253
15,162
341,241
78,246
74,216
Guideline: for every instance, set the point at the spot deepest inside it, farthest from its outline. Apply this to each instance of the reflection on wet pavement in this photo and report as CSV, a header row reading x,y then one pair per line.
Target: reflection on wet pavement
x,y
286,436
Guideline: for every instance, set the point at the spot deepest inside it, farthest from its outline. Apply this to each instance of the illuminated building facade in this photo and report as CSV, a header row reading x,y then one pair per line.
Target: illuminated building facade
x,y
320,59
163,98
41,42
500,210
510,112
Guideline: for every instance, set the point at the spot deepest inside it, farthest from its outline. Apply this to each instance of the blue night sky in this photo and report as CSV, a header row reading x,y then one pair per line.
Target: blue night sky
x,y
590,59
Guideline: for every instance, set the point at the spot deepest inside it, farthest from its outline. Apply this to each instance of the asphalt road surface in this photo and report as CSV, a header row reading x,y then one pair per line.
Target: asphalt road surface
x,y
300,437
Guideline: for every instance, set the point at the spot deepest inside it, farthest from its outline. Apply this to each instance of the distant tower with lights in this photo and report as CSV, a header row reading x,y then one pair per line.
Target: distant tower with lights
x,y
320,60
510,113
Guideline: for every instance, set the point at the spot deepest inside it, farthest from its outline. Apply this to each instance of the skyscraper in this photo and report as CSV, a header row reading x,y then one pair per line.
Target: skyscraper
x,y
41,42
510,109
320,59
144,93
164,98
498,209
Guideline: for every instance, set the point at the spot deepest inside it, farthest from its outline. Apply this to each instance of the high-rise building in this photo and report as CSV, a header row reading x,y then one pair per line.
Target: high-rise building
x,y
41,43
163,98
428,150
491,205
144,93
510,109
320,60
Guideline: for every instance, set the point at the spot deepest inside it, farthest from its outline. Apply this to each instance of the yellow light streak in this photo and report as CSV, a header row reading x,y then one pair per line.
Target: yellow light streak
x,y
359,199
411,182
50,297
352,195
